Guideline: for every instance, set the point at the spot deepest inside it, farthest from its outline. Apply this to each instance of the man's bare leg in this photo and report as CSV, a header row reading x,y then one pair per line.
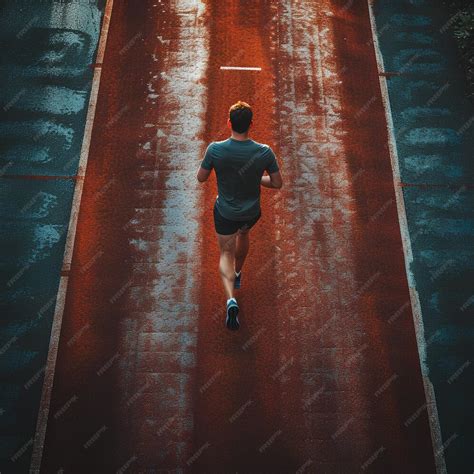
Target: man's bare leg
x,y
226,262
241,249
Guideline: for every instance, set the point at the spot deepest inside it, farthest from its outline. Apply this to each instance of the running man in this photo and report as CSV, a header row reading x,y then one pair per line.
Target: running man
x,y
239,163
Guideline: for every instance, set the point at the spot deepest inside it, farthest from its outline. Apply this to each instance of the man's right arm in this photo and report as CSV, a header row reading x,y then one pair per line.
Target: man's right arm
x,y
273,180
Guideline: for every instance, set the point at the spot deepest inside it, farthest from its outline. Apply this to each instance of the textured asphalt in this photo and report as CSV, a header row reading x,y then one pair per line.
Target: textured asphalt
x,y
324,374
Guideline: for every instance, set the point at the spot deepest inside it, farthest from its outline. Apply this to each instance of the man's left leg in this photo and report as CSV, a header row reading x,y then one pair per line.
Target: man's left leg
x,y
226,262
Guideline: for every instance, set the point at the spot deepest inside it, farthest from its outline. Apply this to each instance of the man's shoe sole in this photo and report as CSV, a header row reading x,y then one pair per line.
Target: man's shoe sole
x,y
232,321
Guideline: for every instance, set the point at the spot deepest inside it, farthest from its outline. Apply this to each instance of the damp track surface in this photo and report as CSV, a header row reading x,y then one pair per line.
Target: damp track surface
x,y
324,374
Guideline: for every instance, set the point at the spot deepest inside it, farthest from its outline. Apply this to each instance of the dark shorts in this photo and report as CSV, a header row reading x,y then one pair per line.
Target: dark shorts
x,y
226,227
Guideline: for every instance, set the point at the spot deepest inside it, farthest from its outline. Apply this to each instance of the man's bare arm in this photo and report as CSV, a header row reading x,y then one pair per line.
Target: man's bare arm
x,y
203,174
273,180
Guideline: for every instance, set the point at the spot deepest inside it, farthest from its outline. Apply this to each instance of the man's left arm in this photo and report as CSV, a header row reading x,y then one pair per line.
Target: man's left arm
x,y
206,166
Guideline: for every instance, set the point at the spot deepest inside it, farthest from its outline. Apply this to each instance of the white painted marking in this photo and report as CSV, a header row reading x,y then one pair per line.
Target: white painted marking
x,y
414,297
70,238
240,68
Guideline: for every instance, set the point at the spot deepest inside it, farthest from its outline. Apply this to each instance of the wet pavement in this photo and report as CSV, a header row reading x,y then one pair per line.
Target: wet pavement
x,y
434,129
47,50
324,374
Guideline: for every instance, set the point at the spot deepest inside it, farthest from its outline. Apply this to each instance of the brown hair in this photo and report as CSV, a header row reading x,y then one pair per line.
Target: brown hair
x,y
240,115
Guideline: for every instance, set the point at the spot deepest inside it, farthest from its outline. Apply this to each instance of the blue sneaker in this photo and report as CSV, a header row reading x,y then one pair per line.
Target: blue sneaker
x,y
232,321
237,280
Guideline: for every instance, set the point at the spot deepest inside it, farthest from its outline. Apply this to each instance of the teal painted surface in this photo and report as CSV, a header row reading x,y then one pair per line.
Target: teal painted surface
x,y
45,82
433,126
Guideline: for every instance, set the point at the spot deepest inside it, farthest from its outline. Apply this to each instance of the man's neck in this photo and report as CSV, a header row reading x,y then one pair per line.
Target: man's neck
x,y
240,136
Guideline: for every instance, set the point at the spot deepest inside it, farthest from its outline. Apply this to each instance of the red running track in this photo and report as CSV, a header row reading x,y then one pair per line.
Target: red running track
x,y
324,374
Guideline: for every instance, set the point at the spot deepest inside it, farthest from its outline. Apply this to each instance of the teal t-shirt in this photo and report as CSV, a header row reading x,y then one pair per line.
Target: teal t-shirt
x,y
239,166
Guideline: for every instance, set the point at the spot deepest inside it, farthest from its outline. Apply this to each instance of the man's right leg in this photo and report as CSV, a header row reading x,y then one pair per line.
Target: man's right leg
x,y
226,264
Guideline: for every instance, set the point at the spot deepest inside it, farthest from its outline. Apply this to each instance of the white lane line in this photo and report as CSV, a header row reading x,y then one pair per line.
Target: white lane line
x,y
63,283
432,409
240,68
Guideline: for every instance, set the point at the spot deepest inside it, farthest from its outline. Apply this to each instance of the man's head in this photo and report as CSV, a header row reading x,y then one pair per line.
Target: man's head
x,y
240,116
